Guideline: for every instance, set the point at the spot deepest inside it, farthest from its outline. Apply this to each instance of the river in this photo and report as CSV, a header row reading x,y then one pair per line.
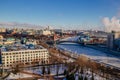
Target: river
x,y
91,53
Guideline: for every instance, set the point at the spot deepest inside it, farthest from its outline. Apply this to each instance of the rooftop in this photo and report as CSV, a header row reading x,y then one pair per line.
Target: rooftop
x,y
18,46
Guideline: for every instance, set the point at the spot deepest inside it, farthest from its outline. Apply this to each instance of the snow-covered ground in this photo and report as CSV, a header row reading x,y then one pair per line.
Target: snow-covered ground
x,y
17,76
88,74
38,70
91,53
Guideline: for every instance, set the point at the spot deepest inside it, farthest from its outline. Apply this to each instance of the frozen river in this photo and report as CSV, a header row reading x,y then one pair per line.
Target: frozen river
x,y
91,53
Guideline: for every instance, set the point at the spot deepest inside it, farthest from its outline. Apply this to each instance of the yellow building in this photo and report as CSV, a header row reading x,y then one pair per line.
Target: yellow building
x,y
2,30
1,37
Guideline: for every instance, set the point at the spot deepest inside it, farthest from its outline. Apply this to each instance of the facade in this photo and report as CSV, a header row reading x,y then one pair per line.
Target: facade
x,y
2,30
113,40
1,37
117,35
45,32
26,56
117,44
7,41
110,41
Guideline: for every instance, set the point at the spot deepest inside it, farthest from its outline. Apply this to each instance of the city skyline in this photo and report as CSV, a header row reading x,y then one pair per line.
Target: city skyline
x,y
77,13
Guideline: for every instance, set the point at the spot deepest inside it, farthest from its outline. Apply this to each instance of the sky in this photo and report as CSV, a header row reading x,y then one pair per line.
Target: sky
x,y
79,14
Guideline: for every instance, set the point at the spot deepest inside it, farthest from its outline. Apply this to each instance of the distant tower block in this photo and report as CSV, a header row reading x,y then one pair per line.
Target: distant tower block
x,y
48,27
110,41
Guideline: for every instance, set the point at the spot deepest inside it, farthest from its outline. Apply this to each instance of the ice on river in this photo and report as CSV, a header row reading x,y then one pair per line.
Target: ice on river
x,y
71,38
91,53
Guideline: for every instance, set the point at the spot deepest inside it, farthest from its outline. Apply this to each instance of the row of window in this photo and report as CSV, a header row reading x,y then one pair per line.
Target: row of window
x,y
9,64
24,52
11,56
23,58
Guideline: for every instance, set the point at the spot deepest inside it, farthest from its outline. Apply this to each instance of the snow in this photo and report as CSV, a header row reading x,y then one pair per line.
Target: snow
x,y
38,69
88,74
75,49
17,76
91,53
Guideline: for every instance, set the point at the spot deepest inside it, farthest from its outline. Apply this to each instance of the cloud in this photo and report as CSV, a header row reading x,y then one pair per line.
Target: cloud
x,y
112,24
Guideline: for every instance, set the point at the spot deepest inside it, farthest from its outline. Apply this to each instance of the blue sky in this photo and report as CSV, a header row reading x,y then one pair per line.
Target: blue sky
x,y
58,12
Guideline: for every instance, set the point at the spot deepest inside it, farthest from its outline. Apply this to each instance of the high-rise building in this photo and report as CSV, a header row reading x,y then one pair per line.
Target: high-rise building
x,y
110,41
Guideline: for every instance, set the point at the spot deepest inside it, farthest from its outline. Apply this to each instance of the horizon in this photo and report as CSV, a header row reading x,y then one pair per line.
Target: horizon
x,y
38,26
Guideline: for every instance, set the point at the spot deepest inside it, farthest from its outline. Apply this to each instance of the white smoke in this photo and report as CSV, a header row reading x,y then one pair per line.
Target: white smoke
x,y
112,24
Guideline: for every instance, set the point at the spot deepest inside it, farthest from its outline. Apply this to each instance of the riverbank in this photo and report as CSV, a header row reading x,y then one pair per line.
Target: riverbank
x,y
105,50
93,53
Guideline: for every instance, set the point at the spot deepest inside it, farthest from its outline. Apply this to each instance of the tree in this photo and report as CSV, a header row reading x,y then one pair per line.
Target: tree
x,y
16,69
82,63
81,77
93,67
85,78
57,69
81,70
65,72
43,70
49,72
92,78
102,68
51,78
70,77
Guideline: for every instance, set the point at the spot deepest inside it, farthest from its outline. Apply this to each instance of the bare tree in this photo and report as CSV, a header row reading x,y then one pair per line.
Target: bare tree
x,y
16,69
49,71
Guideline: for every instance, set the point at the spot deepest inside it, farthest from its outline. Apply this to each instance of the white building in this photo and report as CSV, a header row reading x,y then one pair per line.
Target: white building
x,y
45,32
24,56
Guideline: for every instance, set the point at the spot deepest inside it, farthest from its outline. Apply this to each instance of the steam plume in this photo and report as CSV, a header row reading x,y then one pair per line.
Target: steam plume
x,y
112,24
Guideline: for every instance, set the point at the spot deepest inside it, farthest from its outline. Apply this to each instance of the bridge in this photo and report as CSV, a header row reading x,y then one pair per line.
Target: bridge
x,y
84,40
77,39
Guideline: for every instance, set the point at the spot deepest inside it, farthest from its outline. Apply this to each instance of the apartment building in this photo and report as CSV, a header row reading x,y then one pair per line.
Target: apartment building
x,y
25,56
